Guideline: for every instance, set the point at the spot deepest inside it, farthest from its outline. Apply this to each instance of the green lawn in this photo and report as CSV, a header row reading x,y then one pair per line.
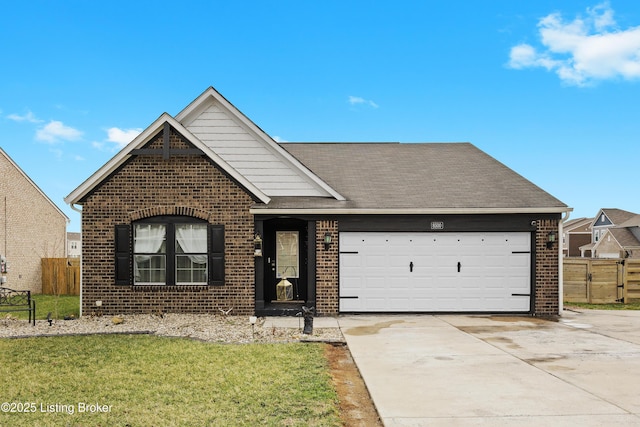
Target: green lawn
x,y
617,306
141,380
58,306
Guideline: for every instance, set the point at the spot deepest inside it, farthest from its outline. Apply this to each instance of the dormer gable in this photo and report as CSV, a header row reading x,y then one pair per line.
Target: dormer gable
x,y
164,124
249,150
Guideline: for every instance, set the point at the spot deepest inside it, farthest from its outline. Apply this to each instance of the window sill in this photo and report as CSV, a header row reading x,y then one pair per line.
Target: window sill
x,y
143,287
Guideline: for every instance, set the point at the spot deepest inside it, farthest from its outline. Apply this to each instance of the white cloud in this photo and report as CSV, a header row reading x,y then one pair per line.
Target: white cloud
x,y
98,145
278,139
356,100
28,117
57,153
122,137
584,50
603,19
55,131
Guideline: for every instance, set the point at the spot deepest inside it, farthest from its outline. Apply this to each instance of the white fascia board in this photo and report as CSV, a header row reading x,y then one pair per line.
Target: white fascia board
x,y
219,161
595,219
146,135
194,107
115,162
430,211
196,104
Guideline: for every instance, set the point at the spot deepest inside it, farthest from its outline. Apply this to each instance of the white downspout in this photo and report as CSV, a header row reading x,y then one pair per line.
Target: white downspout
x,y
80,212
560,264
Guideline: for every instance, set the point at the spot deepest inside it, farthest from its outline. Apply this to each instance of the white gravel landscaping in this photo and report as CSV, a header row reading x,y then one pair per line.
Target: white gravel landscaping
x,y
203,327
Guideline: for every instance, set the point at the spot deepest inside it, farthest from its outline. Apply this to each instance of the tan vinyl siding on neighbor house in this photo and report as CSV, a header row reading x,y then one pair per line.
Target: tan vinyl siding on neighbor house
x,y
247,154
31,228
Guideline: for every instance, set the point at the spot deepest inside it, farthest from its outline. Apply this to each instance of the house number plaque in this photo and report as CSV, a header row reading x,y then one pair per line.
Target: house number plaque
x,y
437,225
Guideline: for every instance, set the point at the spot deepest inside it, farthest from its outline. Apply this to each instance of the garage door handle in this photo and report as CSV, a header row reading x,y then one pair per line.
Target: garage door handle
x,y
459,266
411,267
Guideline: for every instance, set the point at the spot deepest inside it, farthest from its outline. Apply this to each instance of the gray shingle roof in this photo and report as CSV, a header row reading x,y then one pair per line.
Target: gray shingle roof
x,y
625,237
618,216
414,176
632,221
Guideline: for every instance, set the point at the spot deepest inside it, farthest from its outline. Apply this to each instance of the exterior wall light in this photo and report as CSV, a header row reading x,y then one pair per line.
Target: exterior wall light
x,y
551,238
327,240
257,245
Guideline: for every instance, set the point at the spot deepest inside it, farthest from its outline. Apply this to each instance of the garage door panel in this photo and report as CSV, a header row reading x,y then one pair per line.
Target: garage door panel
x,y
375,260
522,260
416,303
521,240
374,283
443,259
350,262
424,262
419,272
399,304
398,262
496,261
396,285
375,304
350,305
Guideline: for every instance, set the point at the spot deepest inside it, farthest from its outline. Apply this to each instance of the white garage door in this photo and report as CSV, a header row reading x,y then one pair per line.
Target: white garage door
x,y
435,272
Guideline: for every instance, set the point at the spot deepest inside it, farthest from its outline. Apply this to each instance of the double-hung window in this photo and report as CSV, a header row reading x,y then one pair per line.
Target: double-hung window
x,y
150,254
191,254
170,250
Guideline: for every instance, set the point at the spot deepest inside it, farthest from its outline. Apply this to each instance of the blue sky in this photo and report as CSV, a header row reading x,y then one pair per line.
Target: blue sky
x,y
549,88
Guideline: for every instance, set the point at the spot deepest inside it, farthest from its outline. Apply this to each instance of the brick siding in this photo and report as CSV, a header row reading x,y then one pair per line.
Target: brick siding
x,y
327,288
547,271
146,186
31,228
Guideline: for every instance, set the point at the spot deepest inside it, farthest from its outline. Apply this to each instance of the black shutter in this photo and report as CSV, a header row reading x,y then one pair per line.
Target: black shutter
x,y
216,255
123,254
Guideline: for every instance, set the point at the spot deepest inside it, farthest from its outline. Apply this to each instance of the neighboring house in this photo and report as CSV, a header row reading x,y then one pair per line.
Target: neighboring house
x,y
32,227
74,244
607,218
575,233
622,241
205,212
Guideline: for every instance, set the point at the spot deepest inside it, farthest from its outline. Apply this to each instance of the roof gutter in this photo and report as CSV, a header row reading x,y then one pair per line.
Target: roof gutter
x,y
400,211
565,217
75,208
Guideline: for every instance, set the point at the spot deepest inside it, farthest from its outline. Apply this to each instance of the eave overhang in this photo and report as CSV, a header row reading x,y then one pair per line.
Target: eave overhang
x,y
187,115
415,211
76,196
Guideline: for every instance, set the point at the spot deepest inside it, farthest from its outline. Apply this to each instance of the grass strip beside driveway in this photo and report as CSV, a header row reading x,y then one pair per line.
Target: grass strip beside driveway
x,y
146,380
612,306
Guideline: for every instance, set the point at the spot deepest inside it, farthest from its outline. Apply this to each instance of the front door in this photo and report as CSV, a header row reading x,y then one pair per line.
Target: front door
x,y
287,265
285,262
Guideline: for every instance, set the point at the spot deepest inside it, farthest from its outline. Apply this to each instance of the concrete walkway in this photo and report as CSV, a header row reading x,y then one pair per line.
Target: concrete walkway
x,y
501,371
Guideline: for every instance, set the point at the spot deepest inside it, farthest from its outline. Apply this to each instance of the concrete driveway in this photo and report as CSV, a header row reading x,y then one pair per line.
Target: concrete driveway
x,y
448,370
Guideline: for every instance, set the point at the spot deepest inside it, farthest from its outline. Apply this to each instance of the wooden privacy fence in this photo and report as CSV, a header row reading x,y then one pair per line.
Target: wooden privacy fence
x,y
599,281
61,276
